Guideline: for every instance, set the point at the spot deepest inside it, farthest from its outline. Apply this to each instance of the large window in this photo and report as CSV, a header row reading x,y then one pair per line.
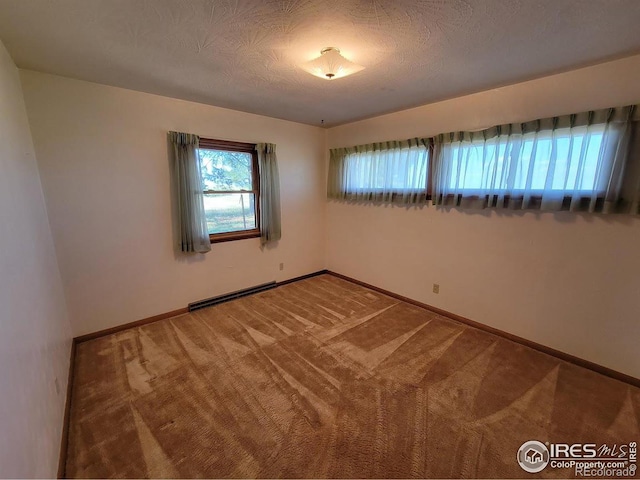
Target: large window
x,y
561,162
231,189
583,162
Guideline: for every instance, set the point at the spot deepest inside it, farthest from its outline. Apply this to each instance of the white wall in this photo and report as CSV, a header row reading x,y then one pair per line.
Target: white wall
x,y
102,153
35,335
571,282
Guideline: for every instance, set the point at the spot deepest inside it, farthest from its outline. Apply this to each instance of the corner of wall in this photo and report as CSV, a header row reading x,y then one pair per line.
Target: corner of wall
x,y
36,338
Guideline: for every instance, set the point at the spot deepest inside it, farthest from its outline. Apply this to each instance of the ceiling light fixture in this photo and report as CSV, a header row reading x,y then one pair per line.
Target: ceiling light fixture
x,y
331,64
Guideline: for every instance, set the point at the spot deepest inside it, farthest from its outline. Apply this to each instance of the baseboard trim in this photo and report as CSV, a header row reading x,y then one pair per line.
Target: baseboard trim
x,y
64,442
623,377
175,313
126,326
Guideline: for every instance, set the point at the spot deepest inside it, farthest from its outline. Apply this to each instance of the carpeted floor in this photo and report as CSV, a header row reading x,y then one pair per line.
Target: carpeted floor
x,y
324,378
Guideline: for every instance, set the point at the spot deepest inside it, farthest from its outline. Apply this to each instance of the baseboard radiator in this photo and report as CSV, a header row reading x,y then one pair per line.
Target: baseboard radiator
x,y
208,302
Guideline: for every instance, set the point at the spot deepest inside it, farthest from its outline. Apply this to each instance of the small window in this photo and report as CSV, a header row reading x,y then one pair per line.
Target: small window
x,y
389,171
374,172
231,189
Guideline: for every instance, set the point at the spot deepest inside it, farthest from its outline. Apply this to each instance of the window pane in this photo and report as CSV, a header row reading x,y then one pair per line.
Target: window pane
x,y
393,170
222,170
560,163
230,212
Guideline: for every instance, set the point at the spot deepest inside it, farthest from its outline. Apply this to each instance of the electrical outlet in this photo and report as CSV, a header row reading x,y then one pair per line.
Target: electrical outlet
x,y
436,288
282,266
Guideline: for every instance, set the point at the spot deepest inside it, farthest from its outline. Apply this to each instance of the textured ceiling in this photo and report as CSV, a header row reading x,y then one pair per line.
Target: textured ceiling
x,y
246,54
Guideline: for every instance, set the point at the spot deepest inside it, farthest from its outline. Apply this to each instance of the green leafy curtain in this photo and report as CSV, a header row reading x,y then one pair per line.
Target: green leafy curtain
x,y
187,177
586,162
270,228
394,171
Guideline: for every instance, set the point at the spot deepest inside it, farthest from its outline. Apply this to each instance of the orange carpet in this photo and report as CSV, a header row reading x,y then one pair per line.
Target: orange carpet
x,y
324,378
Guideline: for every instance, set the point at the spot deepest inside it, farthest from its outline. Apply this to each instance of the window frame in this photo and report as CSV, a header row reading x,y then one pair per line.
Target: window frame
x,y
242,147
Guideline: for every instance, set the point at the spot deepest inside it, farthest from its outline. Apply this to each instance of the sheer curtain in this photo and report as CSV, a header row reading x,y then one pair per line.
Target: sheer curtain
x,y
187,177
574,162
270,228
380,172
